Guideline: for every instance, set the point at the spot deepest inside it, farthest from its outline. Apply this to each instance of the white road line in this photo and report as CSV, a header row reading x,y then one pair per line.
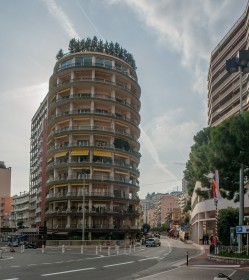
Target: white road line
x,y
15,266
148,259
95,258
32,264
46,263
117,264
11,279
68,271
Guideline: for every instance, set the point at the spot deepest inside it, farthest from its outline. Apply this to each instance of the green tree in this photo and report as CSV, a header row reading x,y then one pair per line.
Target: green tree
x,y
223,148
227,218
60,54
145,228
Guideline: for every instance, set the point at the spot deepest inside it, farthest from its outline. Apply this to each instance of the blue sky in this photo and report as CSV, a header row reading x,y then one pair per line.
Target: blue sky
x,y
171,41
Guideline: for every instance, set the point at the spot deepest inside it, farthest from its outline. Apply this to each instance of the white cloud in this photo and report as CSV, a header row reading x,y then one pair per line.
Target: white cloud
x,y
57,12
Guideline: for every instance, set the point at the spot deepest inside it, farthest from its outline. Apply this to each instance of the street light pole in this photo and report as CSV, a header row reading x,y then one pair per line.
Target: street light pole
x,y
233,65
83,208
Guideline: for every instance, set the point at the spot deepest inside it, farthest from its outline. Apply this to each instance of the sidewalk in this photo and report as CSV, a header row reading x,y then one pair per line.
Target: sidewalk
x,y
203,260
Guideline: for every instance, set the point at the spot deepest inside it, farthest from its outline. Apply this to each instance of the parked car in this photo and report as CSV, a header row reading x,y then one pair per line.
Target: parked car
x,y
15,244
153,241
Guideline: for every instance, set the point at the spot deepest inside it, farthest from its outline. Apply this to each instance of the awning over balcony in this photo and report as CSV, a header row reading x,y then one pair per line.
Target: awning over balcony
x,y
61,154
120,155
121,172
82,152
102,170
102,153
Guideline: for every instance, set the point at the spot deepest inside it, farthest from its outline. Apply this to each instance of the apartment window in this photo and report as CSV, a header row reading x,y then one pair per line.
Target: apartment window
x,y
100,143
99,111
103,62
67,63
83,143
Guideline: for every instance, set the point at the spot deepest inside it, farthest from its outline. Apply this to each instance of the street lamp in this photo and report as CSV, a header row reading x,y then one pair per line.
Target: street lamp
x,y
240,64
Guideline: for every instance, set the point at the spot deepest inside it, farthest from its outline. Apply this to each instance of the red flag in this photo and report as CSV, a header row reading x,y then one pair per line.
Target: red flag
x,y
216,191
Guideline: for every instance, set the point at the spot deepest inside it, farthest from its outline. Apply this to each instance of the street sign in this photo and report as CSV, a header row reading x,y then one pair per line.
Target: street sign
x,y
242,229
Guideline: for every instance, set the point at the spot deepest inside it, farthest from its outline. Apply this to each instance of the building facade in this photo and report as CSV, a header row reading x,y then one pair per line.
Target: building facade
x,y
223,88
92,147
37,180
20,208
166,206
5,180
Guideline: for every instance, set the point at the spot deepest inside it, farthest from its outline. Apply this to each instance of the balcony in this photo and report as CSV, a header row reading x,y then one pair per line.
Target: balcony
x,y
97,178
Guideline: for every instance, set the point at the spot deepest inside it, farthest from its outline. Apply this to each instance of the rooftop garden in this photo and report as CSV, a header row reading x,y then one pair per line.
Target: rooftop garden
x,y
88,44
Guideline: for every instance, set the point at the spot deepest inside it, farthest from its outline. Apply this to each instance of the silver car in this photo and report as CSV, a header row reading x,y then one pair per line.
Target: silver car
x,y
153,241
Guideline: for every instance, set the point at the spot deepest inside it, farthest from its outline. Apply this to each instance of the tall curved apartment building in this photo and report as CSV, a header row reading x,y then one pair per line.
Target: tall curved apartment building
x,y
92,147
224,88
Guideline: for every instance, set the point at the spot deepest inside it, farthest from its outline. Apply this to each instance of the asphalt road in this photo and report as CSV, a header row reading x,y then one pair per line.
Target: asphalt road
x,y
164,262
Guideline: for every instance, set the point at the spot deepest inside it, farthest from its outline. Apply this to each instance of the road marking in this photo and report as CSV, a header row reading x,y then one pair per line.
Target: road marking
x,y
95,258
148,259
15,266
117,264
68,271
11,279
46,263
32,264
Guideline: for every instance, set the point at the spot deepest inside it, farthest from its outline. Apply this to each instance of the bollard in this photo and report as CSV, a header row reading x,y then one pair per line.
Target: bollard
x,y
96,250
1,253
108,252
130,248
6,248
42,249
125,249
82,249
187,258
63,249
117,250
134,248
100,248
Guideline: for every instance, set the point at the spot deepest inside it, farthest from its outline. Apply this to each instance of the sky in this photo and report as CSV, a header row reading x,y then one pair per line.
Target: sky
x,y
171,42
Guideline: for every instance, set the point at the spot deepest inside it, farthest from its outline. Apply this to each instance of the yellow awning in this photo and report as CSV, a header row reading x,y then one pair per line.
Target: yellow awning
x,y
67,89
121,172
120,155
102,153
49,159
62,154
82,152
102,170
63,136
81,167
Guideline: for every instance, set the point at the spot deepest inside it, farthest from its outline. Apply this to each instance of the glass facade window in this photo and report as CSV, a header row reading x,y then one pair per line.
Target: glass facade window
x,y
66,64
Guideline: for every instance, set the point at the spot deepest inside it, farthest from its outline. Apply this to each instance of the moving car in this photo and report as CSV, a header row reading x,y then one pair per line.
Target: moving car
x,y
153,241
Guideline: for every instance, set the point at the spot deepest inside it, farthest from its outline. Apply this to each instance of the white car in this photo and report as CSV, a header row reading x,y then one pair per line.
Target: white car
x,y
153,241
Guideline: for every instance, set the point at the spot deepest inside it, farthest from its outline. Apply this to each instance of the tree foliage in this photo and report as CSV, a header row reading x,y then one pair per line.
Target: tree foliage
x,y
88,44
224,148
227,218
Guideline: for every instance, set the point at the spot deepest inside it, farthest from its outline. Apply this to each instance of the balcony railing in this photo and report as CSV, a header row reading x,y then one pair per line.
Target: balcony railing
x,y
94,177
92,145
80,128
78,195
95,96
102,81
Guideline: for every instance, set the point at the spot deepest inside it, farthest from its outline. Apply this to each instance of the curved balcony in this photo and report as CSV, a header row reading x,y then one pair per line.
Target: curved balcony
x,y
98,65
91,227
79,213
71,163
95,81
92,113
96,128
84,96
75,145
